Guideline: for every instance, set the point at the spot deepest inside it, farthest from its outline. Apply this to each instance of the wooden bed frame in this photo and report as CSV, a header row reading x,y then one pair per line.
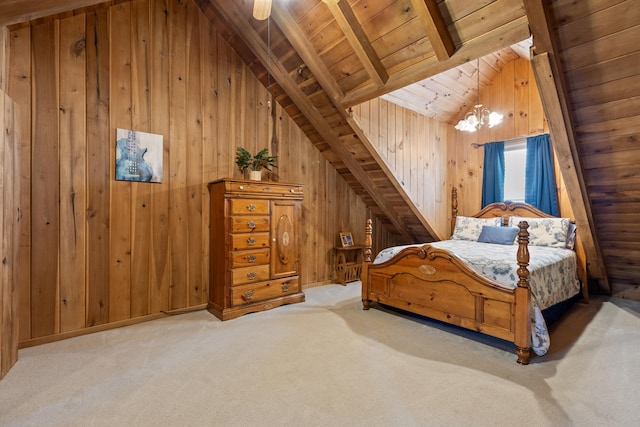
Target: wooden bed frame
x,y
434,283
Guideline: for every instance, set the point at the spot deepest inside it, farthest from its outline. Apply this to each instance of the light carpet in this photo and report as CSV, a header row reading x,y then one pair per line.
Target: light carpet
x,y
326,362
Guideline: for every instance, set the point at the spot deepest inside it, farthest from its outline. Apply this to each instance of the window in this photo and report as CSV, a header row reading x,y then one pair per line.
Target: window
x,y
515,157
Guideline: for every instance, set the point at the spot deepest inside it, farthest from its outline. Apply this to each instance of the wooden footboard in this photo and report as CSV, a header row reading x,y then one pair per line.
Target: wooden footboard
x,y
434,283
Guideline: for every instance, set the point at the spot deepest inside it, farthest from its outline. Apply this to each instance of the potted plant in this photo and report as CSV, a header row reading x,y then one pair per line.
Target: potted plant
x,y
255,164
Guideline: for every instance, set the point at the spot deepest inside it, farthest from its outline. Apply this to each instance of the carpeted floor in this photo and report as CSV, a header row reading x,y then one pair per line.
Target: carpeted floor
x,y
326,362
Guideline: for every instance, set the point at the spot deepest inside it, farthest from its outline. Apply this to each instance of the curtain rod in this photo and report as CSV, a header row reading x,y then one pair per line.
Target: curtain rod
x,y
476,145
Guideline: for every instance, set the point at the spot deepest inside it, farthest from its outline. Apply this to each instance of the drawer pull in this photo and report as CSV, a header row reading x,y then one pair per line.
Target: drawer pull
x,y
247,295
251,207
285,287
251,258
241,187
252,275
251,224
251,241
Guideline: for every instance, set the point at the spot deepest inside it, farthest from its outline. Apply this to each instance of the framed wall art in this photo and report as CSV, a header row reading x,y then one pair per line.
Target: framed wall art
x,y
138,156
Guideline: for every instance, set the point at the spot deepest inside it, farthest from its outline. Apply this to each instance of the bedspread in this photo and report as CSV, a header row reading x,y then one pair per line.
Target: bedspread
x,y
553,275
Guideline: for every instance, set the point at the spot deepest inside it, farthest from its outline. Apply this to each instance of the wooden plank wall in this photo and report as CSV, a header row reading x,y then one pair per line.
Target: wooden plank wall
x,y
9,219
512,92
414,148
98,253
428,157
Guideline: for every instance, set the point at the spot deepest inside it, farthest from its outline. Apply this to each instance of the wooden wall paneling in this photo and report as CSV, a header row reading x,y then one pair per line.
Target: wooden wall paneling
x,y
383,130
6,279
507,107
157,66
375,124
425,193
160,273
178,197
120,201
404,149
9,232
195,160
522,90
45,207
4,57
98,170
73,172
537,122
225,142
398,140
141,205
19,89
412,151
389,153
316,198
209,45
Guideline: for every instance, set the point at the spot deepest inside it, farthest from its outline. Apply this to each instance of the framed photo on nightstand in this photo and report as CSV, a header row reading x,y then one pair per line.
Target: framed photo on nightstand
x,y
346,239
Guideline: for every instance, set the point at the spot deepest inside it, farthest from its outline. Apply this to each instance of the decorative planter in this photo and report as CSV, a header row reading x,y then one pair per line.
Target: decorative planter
x,y
255,175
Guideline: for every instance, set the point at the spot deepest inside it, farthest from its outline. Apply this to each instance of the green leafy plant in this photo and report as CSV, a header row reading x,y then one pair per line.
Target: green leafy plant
x,y
262,160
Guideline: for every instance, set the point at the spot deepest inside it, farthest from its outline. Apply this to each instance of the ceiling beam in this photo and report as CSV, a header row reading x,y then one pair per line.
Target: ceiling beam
x,y
292,32
238,22
501,37
305,50
554,95
359,41
436,28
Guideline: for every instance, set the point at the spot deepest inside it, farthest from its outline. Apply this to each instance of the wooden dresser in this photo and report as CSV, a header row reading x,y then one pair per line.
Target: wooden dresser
x,y
255,248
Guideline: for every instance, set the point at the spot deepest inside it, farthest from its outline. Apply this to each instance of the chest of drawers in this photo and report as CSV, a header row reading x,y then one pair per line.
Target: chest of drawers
x,y
255,252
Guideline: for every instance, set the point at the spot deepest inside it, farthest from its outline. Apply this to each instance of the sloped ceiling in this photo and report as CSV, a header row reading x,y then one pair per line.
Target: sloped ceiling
x,y
323,59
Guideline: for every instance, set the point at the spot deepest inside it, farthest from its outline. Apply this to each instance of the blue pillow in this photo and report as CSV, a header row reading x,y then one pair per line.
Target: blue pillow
x,y
499,235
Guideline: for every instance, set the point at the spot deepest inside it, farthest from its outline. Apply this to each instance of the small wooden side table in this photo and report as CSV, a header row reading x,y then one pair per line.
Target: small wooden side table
x,y
348,263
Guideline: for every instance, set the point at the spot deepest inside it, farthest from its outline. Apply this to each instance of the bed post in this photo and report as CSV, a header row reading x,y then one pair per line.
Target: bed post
x,y
522,337
368,231
454,208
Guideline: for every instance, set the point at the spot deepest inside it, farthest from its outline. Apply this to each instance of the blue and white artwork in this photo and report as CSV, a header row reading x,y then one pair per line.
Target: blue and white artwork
x,y
138,156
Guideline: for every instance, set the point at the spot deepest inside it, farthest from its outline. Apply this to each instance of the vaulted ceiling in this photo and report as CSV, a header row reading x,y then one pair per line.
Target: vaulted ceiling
x,y
324,59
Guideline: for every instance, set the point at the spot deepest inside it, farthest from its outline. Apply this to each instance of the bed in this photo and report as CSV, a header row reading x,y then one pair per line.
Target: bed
x,y
495,286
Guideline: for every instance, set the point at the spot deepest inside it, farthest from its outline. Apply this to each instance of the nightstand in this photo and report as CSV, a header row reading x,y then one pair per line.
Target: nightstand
x,y
348,263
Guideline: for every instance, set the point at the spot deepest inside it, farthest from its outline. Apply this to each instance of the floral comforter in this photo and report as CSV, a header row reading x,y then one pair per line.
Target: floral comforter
x,y
552,279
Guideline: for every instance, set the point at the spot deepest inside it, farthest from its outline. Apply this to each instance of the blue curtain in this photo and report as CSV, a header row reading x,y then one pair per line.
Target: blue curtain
x,y
493,173
540,180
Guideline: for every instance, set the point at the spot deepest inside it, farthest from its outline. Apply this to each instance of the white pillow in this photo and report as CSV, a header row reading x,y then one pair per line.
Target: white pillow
x,y
469,228
550,232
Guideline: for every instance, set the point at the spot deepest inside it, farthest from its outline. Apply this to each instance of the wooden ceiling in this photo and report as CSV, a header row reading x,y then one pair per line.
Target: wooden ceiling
x,y
324,59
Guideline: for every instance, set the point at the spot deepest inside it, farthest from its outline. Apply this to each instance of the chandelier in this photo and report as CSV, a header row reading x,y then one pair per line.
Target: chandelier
x,y
480,115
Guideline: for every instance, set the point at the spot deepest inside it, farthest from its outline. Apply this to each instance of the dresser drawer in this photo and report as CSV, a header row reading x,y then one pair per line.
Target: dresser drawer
x,y
252,274
241,241
268,189
247,294
247,224
249,258
249,207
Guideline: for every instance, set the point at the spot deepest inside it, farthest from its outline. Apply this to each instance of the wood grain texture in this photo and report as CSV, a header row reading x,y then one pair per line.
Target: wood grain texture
x,y
73,172
98,170
413,148
141,205
121,209
9,232
20,86
158,66
45,190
